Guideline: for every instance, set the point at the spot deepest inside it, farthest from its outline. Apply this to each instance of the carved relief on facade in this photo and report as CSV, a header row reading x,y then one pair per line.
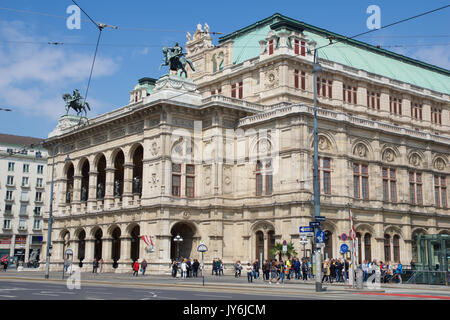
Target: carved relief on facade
x,y
154,149
207,180
439,164
360,151
415,160
227,174
389,155
272,78
324,144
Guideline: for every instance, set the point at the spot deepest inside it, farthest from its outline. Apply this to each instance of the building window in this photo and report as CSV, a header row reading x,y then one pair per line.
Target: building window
x,y
176,179
387,248
299,47
26,168
436,116
367,247
440,191
8,208
9,195
37,225
22,224
40,169
37,211
24,181
373,100
259,178
349,94
270,46
389,185
325,171
396,245
10,166
10,180
38,197
7,224
237,87
299,79
190,181
415,187
23,209
322,84
416,110
360,181
395,105
39,183
24,196
269,177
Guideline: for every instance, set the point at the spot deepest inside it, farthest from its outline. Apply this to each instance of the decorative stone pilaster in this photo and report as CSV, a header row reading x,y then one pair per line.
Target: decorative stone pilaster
x,y
92,192
127,195
109,188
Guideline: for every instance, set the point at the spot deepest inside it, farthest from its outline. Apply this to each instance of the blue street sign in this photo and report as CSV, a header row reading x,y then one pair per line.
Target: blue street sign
x,y
306,229
314,224
320,236
344,248
319,218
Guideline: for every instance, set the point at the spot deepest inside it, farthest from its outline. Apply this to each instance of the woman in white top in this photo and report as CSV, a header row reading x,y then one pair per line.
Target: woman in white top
x,y
183,269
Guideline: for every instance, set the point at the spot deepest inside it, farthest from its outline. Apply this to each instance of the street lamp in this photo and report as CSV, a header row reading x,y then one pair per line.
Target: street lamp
x,y
177,240
50,215
317,69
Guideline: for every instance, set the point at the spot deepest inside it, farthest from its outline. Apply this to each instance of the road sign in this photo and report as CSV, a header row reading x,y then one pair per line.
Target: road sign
x,y
314,224
304,241
319,218
343,237
306,229
320,236
284,243
344,248
202,247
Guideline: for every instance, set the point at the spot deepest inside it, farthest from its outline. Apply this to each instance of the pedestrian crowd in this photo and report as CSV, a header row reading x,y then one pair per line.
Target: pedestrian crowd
x,y
186,267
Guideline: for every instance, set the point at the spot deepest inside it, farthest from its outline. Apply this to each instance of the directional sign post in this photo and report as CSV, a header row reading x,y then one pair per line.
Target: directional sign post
x,y
202,248
319,218
344,248
314,224
306,229
284,246
320,236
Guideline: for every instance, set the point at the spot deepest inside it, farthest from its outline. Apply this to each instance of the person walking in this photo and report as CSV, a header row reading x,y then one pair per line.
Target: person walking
x,y
100,264
267,270
288,267
95,266
183,269
143,266
297,267
174,268
305,270
195,267
273,271
214,267
220,267
135,268
189,268
399,272
5,264
236,269
282,268
249,269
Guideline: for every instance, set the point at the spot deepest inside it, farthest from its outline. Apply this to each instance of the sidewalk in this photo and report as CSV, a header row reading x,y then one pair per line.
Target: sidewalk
x,y
226,280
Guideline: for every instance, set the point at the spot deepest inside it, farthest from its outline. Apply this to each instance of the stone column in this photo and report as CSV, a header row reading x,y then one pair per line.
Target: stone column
x,y
76,198
109,188
127,194
107,250
125,260
92,192
89,250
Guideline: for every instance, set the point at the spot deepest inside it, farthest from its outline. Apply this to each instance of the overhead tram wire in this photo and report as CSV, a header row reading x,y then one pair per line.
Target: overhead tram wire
x,y
383,27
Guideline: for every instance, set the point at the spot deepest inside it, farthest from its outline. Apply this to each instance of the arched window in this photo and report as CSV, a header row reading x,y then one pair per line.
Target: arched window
x,y
396,244
358,235
367,247
387,247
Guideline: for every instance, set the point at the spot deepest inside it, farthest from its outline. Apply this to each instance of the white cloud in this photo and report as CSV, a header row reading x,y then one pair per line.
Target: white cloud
x,y
34,77
437,55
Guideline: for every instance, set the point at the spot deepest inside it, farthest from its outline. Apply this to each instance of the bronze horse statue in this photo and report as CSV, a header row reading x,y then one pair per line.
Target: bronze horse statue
x,y
174,58
75,102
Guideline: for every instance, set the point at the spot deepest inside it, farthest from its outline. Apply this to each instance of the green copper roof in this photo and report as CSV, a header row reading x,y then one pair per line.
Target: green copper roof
x,y
348,52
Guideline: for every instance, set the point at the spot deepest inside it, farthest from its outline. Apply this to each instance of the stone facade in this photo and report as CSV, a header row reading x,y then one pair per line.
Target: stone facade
x,y
227,158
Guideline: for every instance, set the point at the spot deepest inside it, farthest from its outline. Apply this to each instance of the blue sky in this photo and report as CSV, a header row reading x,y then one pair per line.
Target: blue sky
x,y
34,75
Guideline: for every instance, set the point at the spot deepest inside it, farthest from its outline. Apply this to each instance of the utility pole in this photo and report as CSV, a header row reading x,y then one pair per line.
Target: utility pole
x,y
318,257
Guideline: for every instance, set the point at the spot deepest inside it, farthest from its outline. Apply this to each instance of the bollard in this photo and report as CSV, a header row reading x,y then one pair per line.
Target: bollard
x,y
359,278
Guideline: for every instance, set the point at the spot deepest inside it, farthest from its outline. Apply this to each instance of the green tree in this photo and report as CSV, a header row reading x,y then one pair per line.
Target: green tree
x,y
278,250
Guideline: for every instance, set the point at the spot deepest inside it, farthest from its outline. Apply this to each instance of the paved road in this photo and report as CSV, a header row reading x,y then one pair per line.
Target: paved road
x,y
18,287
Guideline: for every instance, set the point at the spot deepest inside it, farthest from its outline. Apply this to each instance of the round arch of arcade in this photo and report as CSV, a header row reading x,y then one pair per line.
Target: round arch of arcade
x,y
188,232
115,244
262,240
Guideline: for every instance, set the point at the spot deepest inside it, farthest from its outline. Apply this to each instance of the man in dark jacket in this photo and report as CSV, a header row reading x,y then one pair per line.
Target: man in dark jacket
x,y
305,270
195,267
297,266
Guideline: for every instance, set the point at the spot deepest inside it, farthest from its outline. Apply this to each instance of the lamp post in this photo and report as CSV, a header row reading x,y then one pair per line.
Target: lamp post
x,y
316,70
50,214
177,240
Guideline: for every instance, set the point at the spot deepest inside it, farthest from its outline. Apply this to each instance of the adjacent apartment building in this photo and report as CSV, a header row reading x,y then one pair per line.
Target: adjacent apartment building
x,y
226,155
23,163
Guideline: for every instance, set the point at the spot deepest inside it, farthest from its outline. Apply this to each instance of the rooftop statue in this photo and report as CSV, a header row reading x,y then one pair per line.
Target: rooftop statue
x,y
174,58
75,102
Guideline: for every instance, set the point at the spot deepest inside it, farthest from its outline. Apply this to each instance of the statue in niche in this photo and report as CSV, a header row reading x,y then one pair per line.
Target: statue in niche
x,y
83,193
136,185
100,191
117,188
